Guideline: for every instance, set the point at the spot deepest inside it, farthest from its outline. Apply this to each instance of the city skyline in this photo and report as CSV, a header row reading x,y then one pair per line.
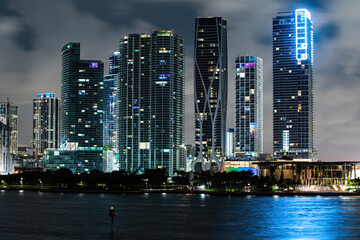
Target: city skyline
x,y
336,131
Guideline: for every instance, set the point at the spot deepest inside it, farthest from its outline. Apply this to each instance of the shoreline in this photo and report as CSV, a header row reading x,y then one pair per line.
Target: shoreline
x,y
196,192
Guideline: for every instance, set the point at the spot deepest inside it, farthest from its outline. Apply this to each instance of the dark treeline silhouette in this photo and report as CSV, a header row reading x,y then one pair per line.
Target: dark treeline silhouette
x,y
150,179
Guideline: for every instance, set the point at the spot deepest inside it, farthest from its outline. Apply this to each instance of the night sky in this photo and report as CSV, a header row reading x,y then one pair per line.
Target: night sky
x,y
32,34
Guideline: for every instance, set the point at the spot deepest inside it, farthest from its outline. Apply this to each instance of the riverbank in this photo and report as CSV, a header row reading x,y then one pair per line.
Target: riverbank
x,y
171,191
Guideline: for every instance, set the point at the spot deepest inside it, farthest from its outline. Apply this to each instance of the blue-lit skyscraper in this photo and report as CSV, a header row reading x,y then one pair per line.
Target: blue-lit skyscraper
x,y
293,85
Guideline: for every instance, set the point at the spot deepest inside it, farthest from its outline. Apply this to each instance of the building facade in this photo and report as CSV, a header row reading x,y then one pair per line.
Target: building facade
x,y
210,91
5,155
134,102
293,100
114,63
167,100
110,119
249,105
46,122
9,116
82,86
151,101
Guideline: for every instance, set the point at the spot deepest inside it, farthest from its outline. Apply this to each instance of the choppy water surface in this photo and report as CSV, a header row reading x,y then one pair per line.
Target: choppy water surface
x,y
35,215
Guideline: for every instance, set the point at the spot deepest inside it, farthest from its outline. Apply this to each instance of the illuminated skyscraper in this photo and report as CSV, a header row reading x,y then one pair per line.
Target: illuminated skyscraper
x,y
110,119
167,100
9,116
134,102
114,63
8,136
249,105
293,85
210,90
46,122
151,101
82,86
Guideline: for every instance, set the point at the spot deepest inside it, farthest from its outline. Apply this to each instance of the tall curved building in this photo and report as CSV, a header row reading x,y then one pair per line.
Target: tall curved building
x,y
210,90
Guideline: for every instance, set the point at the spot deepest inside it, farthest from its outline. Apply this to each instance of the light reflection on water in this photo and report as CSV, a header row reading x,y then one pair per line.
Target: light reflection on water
x,y
25,215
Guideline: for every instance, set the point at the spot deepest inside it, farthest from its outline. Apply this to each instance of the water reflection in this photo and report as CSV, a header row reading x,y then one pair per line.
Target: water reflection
x,y
177,216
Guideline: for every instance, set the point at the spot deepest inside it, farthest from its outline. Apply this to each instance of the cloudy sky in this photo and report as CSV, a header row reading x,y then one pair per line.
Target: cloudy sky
x,y
32,34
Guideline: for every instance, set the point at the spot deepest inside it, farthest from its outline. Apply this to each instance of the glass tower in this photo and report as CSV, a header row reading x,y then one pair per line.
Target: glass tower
x,y
167,100
9,116
114,63
151,101
82,86
46,122
249,105
293,85
210,90
134,102
110,119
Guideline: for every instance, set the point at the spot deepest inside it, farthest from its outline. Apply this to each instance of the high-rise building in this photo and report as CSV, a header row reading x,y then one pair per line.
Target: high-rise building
x,y
110,119
134,102
114,61
167,100
293,85
5,155
82,86
210,90
249,105
9,116
151,101
46,128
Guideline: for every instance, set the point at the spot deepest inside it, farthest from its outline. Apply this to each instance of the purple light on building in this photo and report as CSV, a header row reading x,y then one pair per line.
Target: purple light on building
x,y
93,65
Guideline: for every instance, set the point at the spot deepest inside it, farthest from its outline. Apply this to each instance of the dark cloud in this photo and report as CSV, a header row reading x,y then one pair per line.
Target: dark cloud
x,y
165,15
327,32
25,35
344,72
5,10
263,39
308,4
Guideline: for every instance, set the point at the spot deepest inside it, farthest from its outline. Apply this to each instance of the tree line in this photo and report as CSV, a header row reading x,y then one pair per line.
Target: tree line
x,y
149,179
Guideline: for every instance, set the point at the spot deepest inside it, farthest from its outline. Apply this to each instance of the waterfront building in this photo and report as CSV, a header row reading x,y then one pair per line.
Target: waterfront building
x,y
55,159
5,155
308,173
210,91
9,116
46,128
151,101
167,100
293,100
82,86
134,102
249,105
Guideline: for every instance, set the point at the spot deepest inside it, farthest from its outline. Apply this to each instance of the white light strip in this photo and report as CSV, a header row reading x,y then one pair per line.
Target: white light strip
x,y
302,29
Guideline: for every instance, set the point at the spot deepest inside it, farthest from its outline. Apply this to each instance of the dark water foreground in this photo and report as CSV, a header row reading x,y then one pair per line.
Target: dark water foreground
x,y
42,215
